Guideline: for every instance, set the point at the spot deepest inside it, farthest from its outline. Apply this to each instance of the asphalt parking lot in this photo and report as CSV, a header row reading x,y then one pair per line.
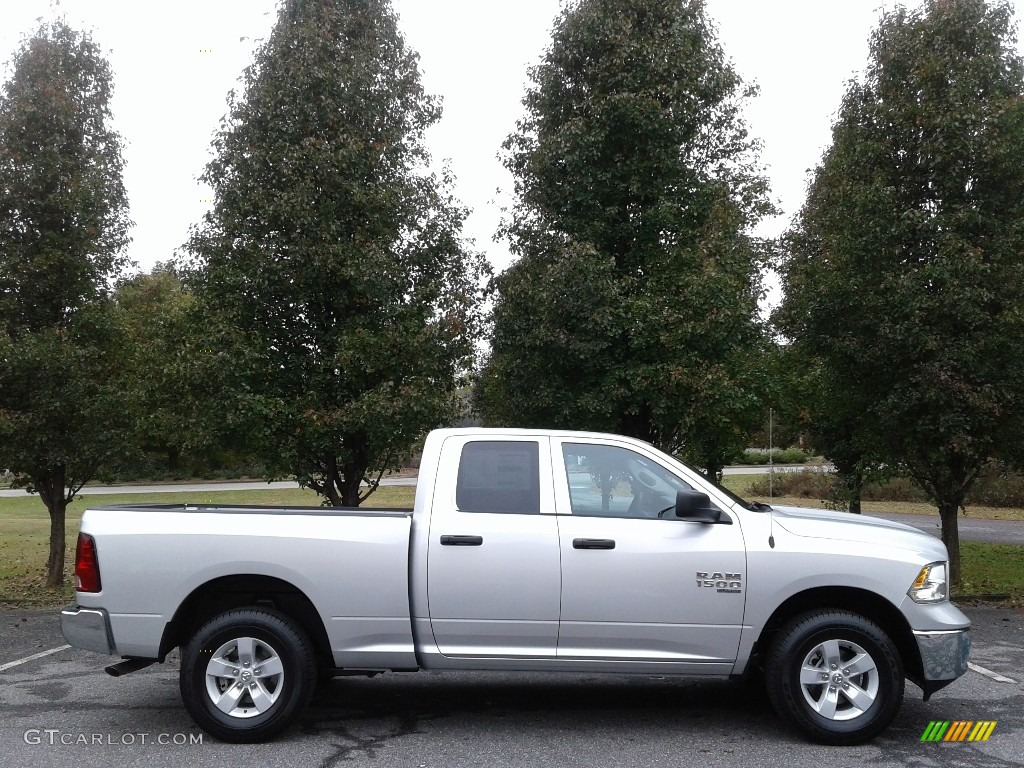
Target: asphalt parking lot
x,y
61,709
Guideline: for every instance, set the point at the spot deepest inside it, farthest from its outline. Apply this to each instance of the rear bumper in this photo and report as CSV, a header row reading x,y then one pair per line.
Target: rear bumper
x,y
944,657
88,629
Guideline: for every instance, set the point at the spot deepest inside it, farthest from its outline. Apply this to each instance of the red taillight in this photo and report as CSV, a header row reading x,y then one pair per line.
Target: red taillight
x,y
87,566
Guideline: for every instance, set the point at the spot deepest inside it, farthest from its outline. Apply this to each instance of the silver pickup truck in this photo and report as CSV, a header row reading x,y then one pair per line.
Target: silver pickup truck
x,y
525,550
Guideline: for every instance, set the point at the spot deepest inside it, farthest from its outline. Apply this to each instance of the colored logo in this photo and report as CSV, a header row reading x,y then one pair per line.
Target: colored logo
x,y
958,730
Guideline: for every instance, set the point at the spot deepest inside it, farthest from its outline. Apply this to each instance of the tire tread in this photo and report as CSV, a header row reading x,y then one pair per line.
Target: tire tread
x,y
787,698
292,639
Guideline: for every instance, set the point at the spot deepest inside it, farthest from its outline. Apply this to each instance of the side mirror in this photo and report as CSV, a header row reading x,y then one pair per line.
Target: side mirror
x,y
697,507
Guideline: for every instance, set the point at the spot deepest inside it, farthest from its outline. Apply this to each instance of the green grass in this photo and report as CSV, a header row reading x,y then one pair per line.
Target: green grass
x,y
992,569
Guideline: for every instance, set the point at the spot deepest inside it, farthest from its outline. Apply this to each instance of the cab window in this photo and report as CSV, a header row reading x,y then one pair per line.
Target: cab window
x,y
499,476
609,481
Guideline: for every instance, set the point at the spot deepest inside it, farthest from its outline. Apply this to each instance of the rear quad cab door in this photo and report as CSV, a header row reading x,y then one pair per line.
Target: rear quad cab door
x,y
493,576
637,587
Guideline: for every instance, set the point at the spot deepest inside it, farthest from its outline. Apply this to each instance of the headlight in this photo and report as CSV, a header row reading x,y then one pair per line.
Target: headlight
x,y
930,584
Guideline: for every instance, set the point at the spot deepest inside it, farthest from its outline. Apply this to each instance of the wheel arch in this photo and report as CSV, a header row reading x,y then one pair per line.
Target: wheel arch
x,y
868,604
243,591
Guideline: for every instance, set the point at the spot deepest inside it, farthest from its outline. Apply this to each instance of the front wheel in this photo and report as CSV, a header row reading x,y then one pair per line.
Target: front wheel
x,y
836,676
246,674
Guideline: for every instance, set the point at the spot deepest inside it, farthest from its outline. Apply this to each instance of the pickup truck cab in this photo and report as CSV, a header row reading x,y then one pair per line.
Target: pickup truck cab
x,y
525,550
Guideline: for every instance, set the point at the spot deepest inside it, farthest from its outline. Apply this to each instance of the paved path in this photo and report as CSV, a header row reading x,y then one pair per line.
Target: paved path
x,y
971,529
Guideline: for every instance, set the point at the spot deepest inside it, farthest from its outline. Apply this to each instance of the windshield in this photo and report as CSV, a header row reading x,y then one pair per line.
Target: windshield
x,y
754,506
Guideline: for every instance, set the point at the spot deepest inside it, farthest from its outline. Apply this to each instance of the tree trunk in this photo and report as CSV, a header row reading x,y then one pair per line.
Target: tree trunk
x,y
948,511
331,486
854,487
713,471
354,470
55,563
350,489
173,458
51,491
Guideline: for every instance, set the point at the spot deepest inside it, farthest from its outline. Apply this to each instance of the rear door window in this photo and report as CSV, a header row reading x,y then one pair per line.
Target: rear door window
x,y
499,476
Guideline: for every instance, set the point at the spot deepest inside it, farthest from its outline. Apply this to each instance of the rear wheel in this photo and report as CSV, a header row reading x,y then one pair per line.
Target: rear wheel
x,y
836,676
246,674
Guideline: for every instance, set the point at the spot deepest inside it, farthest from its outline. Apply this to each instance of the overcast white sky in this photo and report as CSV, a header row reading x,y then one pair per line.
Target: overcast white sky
x,y
175,62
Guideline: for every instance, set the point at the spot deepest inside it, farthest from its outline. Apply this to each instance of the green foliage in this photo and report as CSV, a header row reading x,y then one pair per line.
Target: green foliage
x,y
906,269
832,420
153,309
632,306
63,211
331,280
169,358
64,412
778,456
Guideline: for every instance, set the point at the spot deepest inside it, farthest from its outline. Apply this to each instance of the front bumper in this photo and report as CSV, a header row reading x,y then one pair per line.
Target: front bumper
x,y
87,628
944,657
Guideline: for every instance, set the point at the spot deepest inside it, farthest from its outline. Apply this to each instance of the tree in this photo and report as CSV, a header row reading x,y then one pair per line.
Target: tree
x,y
63,228
632,306
905,272
833,422
330,276
154,310
173,377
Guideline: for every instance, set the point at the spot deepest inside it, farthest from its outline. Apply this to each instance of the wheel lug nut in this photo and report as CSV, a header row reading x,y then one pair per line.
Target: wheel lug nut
x,y
824,675
834,666
831,689
846,671
246,664
256,671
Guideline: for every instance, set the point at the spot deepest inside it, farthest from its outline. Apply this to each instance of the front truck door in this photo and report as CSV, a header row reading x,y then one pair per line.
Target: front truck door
x,y
493,579
637,587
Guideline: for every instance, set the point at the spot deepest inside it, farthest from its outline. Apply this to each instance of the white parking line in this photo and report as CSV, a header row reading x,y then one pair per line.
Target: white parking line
x,y
979,669
33,657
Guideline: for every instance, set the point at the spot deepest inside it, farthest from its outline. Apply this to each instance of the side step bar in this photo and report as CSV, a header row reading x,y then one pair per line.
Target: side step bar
x,y
125,666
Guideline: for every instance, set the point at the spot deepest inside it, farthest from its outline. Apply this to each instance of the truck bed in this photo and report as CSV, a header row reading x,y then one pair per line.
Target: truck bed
x,y
352,564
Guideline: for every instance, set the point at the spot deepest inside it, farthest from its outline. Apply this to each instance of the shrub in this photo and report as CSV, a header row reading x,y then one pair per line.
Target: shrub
x,y
778,456
893,489
801,484
998,486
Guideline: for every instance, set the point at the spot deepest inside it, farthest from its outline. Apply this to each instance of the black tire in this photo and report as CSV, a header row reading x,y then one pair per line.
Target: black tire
x,y
269,674
854,703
